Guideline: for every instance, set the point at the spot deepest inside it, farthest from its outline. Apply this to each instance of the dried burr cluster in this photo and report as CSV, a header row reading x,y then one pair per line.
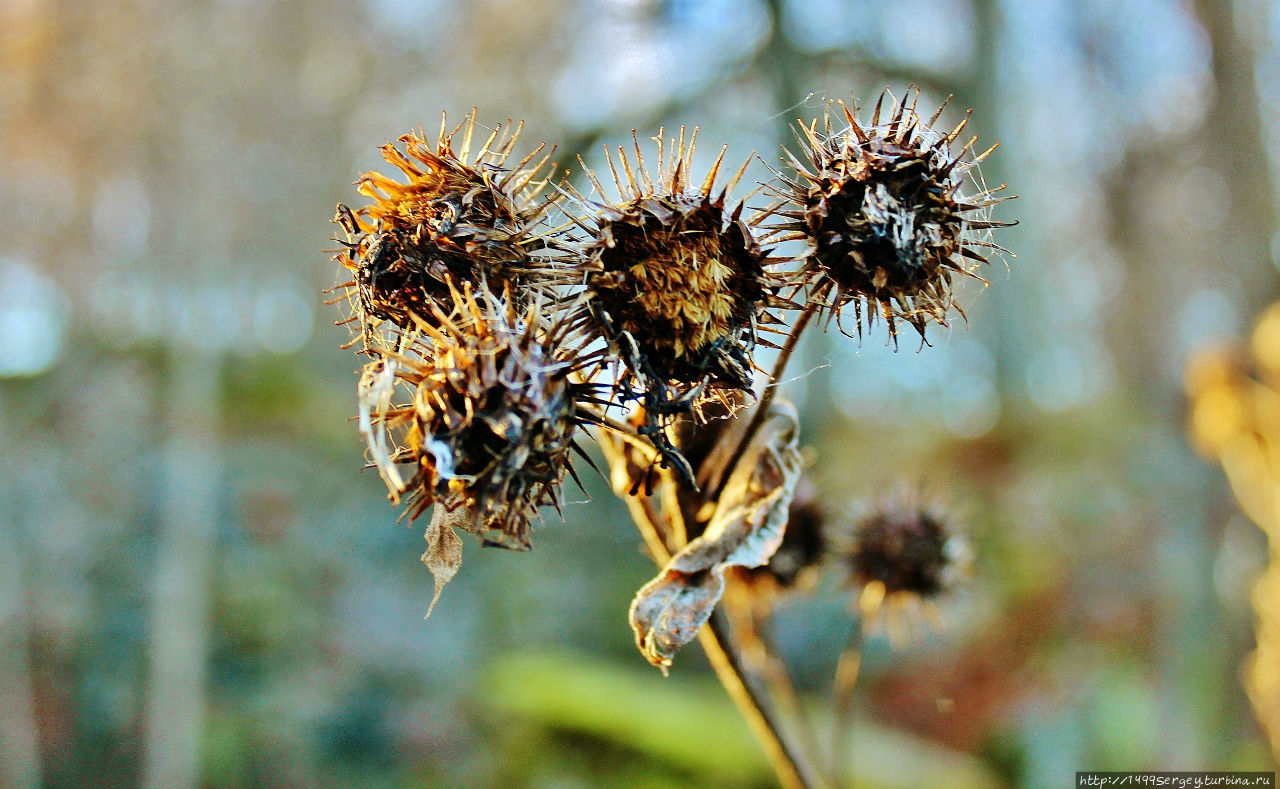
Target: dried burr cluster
x,y
506,315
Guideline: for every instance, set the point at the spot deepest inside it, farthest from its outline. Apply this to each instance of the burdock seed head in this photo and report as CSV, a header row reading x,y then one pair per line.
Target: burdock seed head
x,y
460,214
902,548
485,419
673,281
902,557
885,211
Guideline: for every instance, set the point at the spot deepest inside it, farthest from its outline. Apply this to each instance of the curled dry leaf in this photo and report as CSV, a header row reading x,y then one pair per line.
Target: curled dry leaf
x,y
443,556
745,530
377,385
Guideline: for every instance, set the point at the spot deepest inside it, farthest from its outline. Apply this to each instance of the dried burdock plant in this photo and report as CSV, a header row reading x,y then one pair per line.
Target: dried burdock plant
x,y
901,555
483,427
460,214
495,338
673,281
746,529
890,214
798,560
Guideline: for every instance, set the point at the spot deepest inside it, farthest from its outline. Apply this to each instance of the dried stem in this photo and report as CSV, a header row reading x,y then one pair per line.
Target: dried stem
x,y
792,770
842,689
761,409
618,429
755,643
640,506
782,688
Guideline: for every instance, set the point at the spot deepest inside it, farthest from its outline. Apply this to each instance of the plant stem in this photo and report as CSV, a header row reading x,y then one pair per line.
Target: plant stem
x,y
641,508
843,685
761,409
780,687
717,644
793,772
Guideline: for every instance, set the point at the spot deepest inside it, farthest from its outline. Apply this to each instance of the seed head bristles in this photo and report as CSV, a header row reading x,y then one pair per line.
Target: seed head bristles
x,y
882,209
672,280
461,214
476,413
901,555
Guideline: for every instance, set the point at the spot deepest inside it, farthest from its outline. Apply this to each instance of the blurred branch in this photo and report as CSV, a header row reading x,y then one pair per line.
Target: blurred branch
x,y
786,64
897,75
674,104
586,141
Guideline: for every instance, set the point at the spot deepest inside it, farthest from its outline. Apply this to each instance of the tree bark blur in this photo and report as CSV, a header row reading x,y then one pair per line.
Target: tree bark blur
x,y
1234,139
180,609
1006,300
19,742
1187,217
1171,250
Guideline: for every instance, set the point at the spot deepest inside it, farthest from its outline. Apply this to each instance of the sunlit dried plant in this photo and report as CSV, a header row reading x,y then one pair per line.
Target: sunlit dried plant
x,y
673,280
901,555
798,560
460,214
889,213
1235,421
495,338
483,428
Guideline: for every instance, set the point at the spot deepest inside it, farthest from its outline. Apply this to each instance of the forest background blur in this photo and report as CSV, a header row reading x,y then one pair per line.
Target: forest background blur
x,y
199,587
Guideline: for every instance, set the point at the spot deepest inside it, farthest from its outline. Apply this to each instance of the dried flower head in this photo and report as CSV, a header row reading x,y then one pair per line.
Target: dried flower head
x,y
457,216
487,426
905,546
673,281
903,554
883,210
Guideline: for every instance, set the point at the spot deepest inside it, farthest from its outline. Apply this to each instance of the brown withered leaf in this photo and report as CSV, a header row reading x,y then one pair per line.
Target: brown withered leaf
x,y
745,530
376,388
443,556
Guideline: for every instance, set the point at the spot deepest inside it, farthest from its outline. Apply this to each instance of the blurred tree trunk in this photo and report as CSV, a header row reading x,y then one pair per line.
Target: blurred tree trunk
x,y
19,745
1007,300
1168,258
1000,312
180,612
788,69
1235,139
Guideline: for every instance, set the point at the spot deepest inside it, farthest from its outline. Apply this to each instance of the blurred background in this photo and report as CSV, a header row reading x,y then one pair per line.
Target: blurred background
x,y
200,587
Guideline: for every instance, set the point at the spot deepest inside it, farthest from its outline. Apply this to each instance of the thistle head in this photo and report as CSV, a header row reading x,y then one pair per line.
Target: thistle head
x,y
674,282
903,555
459,214
488,422
887,212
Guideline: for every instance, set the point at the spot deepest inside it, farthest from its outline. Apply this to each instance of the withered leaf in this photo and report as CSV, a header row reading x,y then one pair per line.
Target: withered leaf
x,y
443,556
744,531
376,388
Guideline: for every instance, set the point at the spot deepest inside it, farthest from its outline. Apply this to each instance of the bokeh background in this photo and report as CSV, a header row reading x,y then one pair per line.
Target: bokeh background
x,y
200,587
